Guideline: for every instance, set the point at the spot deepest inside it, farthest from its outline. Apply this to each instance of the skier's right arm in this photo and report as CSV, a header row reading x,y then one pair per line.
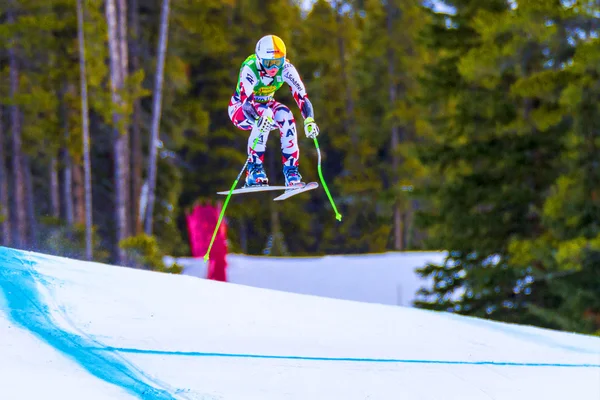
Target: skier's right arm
x,y
247,82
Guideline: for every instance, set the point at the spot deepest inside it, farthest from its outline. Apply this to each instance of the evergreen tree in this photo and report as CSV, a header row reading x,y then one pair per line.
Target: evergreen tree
x,y
392,122
488,168
492,212
563,256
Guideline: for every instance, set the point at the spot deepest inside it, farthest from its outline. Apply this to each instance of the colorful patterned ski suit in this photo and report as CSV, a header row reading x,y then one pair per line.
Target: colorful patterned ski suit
x,y
254,94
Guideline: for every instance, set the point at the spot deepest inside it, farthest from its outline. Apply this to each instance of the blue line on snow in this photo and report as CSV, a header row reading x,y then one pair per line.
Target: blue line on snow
x,y
26,308
350,359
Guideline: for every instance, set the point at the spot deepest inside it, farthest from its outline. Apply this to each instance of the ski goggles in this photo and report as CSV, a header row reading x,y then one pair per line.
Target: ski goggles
x,y
274,62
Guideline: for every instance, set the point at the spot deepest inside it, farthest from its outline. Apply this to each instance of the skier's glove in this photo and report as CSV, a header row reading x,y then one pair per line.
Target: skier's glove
x,y
310,128
266,123
249,111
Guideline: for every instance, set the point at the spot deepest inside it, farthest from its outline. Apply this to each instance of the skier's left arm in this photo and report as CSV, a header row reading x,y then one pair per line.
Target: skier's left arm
x,y
292,78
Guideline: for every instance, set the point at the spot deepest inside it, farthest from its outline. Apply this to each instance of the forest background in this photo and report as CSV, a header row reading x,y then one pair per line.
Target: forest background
x,y
474,131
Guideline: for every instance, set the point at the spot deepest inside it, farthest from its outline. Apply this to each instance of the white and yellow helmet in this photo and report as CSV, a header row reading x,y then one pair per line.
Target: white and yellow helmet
x,y
270,52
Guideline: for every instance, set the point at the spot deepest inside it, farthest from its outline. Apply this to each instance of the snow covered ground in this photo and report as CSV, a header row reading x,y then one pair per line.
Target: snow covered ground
x,y
77,330
388,278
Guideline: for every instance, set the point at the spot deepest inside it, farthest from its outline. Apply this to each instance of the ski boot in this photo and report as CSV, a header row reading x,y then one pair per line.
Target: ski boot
x,y
256,176
292,176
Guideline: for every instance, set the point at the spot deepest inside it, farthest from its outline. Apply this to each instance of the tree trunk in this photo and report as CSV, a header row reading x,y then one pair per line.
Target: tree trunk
x,y
4,205
87,168
156,113
395,134
54,188
243,235
30,199
123,38
78,194
68,187
67,197
20,221
119,133
136,169
136,138
348,119
277,240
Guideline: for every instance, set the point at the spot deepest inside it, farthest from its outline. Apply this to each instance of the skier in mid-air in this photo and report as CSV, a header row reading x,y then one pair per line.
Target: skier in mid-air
x,y
253,107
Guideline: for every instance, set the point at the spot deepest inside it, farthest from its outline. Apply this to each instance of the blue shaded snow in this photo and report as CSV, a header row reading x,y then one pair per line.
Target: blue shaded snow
x,y
20,298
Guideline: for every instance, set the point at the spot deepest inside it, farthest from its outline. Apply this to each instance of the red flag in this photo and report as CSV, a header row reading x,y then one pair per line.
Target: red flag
x,y
201,224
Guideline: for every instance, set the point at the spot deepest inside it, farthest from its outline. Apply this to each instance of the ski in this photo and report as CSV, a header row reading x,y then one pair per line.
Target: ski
x,y
292,192
251,189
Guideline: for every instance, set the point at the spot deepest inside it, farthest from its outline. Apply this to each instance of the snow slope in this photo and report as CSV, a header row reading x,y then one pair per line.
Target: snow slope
x,y
388,278
77,330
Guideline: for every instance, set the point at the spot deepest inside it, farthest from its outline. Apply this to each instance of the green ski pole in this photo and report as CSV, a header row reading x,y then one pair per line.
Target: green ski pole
x,y
338,216
226,202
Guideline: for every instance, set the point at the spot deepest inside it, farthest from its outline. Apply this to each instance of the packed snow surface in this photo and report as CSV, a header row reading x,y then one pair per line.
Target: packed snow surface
x,y
80,330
